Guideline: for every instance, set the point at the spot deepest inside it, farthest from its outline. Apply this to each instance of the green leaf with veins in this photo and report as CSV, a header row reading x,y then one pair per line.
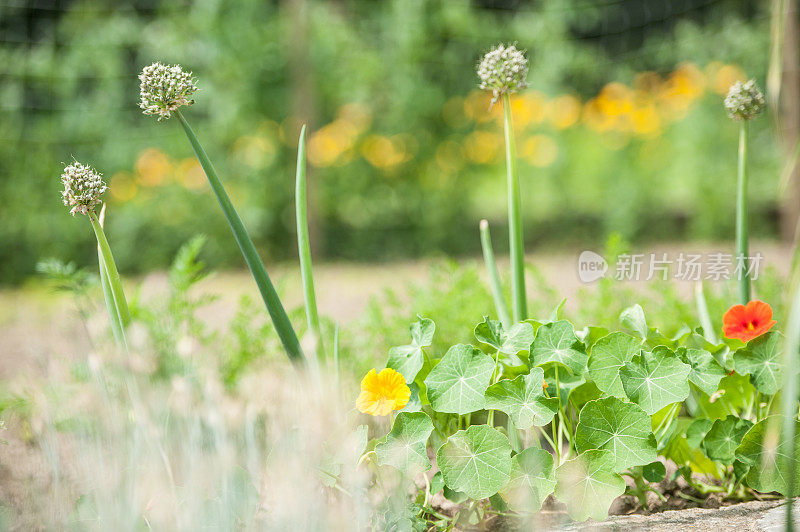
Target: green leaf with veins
x,y
679,451
706,371
608,354
556,343
633,319
408,359
414,402
457,383
696,431
654,471
768,457
532,480
404,448
523,399
761,358
655,379
476,461
622,428
724,436
589,335
518,338
588,485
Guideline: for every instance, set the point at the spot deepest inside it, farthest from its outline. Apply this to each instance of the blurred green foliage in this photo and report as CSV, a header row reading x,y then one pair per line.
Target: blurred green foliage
x,y
402,149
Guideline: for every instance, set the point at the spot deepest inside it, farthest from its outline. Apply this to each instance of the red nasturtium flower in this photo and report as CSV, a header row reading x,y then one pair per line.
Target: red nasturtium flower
x,y
747,322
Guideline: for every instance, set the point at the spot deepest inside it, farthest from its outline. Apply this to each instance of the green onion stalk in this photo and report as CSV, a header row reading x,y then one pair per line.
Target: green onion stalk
x,y
503,71
83,187
789,397
304,248
163,90
743,103
494,276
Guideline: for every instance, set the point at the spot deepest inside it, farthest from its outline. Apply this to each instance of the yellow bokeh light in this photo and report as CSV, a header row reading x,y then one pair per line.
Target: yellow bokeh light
x,y
190,174
482,147
122,186
384,152
540,150
152,167
726,76
564,111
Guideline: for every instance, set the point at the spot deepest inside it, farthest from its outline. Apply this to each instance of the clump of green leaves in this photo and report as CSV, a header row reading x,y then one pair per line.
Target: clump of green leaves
x,y
541,408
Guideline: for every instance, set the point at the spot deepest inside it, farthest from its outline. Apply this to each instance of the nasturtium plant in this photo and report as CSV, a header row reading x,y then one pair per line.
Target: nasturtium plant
x,y
622,428
633,318
706,371
523,399
556,343
408,359
405,446
516,340
724,436
761,359
588,485
476,461
457,383
767,455
655,379
532,479
607,356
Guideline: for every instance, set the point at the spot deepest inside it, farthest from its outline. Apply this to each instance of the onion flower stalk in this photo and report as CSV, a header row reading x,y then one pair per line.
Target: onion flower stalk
x,y
743,103
164,89
503,70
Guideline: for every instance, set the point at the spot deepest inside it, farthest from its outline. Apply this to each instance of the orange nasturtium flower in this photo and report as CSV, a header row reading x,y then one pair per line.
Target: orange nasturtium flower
x,y
382,392
747,322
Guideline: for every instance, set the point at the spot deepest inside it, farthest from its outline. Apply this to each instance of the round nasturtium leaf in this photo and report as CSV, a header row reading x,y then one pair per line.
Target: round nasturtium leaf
x,y
697,430
706,371
457,383
476,461
588,485
516,340
655,379
622,428
768,456
724,436
404,448
532,480
654,471
523,399
761,358
608,354
556,343
408,359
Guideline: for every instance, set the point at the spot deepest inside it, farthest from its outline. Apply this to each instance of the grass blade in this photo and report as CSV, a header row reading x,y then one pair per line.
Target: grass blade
x,y
113,313
515,240
494,276
789,395
702,312
273,303
304,248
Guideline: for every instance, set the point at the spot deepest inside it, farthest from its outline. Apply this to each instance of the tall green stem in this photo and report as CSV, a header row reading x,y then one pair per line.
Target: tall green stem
x,y
515,240
273,303
114,282
494,276
789,397
304,247
742,251
113,314
702,312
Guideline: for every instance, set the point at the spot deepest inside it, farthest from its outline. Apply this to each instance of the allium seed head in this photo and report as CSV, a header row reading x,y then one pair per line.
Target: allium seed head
x,y
744,101
164,88
82,188
503,70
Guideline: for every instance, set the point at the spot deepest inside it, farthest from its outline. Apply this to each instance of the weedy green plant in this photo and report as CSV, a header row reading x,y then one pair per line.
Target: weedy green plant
x,y
163,90
541,408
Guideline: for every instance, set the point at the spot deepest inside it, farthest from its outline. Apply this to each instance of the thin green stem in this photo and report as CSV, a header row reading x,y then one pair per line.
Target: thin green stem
x,y
515,239
494,276
273,303
108,296
495,376
702,312
742,246
789,397
304,248
123,314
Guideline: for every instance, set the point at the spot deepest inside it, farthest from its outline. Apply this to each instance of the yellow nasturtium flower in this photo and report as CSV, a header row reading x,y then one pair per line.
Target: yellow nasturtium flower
x,y
382,392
